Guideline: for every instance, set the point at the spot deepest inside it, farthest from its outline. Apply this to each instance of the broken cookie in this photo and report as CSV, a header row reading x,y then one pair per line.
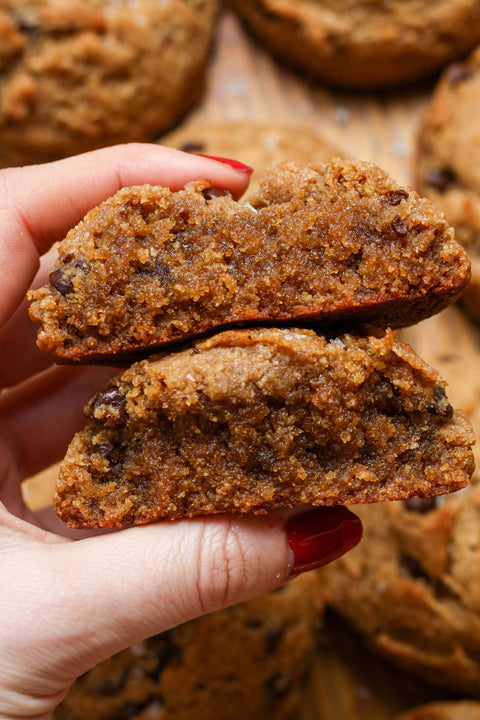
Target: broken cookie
x,y
325,244
251,420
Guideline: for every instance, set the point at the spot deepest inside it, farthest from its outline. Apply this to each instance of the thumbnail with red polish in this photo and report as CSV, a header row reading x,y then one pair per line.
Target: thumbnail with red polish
x,y
235,164
318,536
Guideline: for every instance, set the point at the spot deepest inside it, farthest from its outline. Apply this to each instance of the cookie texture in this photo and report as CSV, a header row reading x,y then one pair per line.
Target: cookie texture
x,y
448,160
249,661
255,144
459,710
360,44
251,420
411,586
331,244
81,74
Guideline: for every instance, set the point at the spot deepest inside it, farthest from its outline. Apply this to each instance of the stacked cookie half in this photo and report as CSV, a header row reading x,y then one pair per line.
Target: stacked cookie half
x,y
265,412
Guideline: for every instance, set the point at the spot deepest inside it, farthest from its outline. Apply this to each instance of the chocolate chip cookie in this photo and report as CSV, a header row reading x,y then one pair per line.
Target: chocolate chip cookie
x,y
333,244
444,711
255,144
412,586
251,420
82,74
364,44
448,160
248,661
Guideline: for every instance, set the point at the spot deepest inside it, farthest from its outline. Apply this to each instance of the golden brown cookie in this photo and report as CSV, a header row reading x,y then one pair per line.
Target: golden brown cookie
x,y
330,245
459,710
251,420
362,44
448,161
412,586
255,144
81,74
249,661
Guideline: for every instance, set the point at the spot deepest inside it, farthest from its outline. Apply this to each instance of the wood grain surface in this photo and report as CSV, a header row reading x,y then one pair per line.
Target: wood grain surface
x,y
245,84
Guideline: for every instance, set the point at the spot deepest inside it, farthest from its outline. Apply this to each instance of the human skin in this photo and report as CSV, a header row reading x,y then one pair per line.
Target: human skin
x,y
70,600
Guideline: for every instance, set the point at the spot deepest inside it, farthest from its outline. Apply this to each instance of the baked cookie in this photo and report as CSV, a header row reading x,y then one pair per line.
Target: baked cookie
x,y
251,420
444,711
249,661
257,145
82,74
411,586
363,44
448,160
459,710
331,244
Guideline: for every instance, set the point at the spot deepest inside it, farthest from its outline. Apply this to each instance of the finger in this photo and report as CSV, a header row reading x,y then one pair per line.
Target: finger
x,y
100,595
38,204
39,418
20,357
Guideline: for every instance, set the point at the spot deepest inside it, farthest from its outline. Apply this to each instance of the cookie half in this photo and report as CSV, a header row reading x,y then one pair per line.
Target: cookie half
x,y
83,74
252,420
448,161
363,44
330,245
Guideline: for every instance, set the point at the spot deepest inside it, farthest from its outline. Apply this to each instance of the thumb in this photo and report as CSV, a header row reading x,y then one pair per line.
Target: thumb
x,y
90,598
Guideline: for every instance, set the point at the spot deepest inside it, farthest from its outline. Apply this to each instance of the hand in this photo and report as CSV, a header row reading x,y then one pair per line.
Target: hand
x,y
67,604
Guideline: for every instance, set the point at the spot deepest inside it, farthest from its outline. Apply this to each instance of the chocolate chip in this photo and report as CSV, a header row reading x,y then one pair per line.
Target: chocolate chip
x,y
440,404
112,405
61,282
158,270
273,638
458,73
420,504
411,567
440,179
278,684
399,226
395,197
113,683
192,146
131,709
112,453
211,193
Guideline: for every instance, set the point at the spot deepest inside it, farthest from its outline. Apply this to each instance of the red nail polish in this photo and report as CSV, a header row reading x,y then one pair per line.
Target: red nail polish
x,y
235,164
318,536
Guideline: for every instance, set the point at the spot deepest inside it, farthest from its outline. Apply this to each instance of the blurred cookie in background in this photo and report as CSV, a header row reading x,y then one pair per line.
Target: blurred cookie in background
x,y
448,160
362,44
255,144
411,586
248,661
81,74
460,710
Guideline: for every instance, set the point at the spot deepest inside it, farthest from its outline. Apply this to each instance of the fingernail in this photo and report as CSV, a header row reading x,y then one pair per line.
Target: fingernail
x,y
235,164
318,536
